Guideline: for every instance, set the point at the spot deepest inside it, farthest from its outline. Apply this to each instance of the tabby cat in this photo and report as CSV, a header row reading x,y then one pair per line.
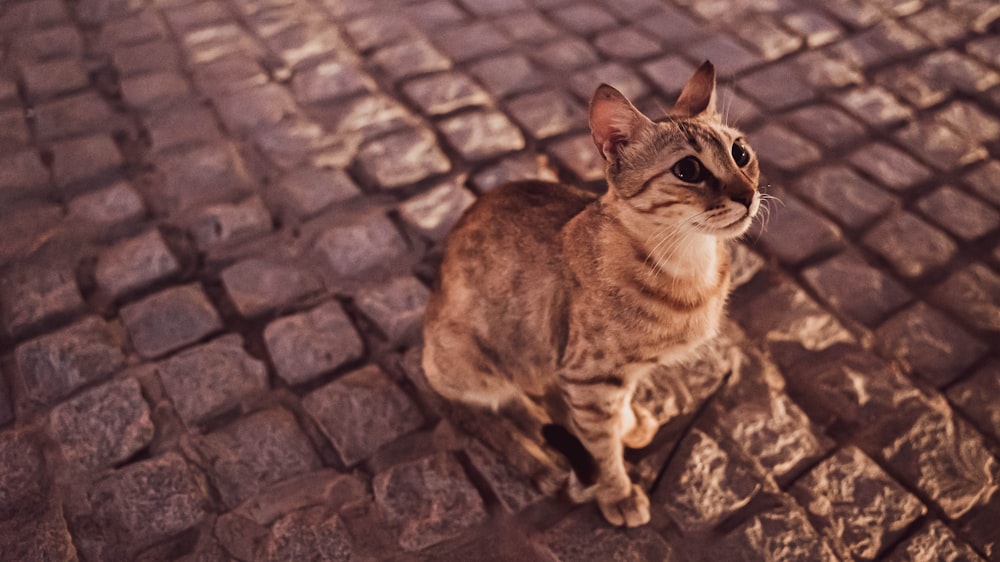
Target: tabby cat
x,y
546,289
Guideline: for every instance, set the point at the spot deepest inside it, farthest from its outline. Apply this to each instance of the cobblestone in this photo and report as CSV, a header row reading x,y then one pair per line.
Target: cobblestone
x,y
169,320
103,426
210,379
220,221
307,345
53,365
362,411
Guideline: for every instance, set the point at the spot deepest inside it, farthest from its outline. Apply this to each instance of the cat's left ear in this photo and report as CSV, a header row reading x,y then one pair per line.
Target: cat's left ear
x,y
614,121
698,95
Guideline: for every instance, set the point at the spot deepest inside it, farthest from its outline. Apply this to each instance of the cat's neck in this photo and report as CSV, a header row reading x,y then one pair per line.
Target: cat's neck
x,y
671,251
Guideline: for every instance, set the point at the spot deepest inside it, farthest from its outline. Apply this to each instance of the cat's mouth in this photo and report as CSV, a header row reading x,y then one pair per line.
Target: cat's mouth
x,y
730,229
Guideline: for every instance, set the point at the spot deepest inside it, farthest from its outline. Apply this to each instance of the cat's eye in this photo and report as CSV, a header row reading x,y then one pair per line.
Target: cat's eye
x,y
689,169
740,154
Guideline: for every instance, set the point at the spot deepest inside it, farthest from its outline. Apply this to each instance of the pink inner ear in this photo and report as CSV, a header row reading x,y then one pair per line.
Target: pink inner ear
x,y
612,123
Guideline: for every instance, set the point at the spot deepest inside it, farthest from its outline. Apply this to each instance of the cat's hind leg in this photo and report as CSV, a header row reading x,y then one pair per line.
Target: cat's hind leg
x,y
459,370
640,426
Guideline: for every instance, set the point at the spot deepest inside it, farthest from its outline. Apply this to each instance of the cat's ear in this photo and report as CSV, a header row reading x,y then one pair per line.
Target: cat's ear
x,y
698,95
614,121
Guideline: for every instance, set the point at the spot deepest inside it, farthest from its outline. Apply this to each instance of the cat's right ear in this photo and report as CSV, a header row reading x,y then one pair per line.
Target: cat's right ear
x,y
614,121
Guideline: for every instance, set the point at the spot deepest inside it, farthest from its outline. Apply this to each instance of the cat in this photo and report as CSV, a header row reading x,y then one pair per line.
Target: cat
x,y
549,289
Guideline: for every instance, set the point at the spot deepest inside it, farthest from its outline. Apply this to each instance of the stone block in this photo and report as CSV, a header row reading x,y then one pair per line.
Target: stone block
x,y
396,307
504,75
295,140
153,56
826,125
794,232
371,243
627,43
210,379
227,223
876,106
706,483
939,455
249,109
547,113
46,80
463,43
85,161
402,158
939,145
38,535
974,396
136,28
578,154
783,148
307,345
778,87
782,533
33,294
973,294
134,263
202,174
368,116
910,245
928,342
116,204
22,174
102,426
761,419
14,133
429,500
512,488
53,365
434,212
309,534
328,81
191,16
969,120
148,501
584,535
81,113
254,452
229,74
566,54
258,286
630,84
890,166
984,180
27,16
669,73
369,31
183,125
304,192
958,213
859,507
816,28
29,228
148,92
96,12
513,168
22,473
59,41
584,19
410,58
933,541
852,200
856,289
169,320
444,92
362,411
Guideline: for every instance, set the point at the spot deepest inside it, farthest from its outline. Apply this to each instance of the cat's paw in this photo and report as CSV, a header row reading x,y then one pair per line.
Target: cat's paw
x,y
645,428
578,492
630,511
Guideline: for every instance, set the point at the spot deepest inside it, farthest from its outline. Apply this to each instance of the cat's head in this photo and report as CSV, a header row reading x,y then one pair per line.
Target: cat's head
x,y
690,170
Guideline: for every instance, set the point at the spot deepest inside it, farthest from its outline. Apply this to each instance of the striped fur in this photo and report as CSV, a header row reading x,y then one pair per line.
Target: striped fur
x,y
548,290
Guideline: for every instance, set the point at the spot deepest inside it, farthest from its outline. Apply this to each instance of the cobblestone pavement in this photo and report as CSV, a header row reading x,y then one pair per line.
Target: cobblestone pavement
x,y
219,220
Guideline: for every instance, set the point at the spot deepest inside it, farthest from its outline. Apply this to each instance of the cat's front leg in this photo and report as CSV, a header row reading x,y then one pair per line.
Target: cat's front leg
x,y
596,411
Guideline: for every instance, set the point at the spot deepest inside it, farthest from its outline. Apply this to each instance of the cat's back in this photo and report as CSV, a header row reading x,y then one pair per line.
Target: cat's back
x,y
525,207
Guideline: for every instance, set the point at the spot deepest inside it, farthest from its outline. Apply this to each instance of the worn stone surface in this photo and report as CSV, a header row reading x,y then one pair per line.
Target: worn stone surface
x,y
307,345
209,379
135,263
361,412
857,505
53,365
148,501
103,426
428,500
263,448
285,172
257,286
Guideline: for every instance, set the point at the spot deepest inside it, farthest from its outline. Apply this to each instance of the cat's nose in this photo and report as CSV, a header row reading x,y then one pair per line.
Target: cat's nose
x,y
743,197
